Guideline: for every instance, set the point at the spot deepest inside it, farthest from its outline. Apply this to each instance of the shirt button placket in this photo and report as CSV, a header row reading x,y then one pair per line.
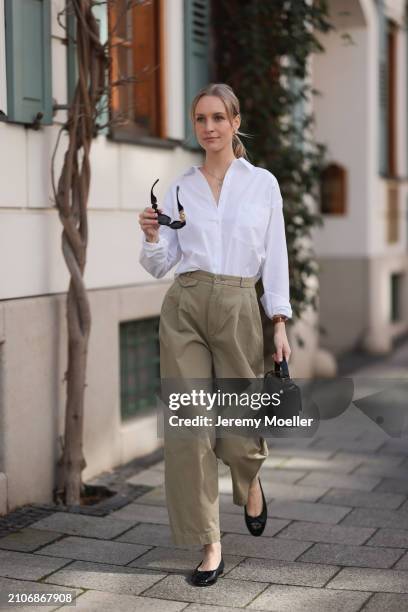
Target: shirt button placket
x,y
219,241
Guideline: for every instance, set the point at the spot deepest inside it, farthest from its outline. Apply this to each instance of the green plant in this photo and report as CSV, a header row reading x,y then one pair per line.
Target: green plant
x,y
262,49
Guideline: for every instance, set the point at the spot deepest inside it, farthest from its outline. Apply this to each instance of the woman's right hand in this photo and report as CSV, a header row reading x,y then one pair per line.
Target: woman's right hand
x,y
148,223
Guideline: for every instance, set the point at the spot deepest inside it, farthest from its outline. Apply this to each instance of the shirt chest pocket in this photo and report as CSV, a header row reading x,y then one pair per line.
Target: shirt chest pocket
x,y
251,222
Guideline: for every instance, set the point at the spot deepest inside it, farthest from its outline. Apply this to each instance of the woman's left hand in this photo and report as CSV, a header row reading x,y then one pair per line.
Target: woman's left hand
x,y
281,342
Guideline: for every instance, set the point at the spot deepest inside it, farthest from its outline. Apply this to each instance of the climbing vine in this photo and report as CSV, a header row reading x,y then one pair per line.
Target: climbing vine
x,y
263,50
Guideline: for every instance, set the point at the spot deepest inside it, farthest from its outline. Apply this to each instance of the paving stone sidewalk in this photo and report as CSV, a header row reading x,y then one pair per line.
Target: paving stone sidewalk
x,y
336,538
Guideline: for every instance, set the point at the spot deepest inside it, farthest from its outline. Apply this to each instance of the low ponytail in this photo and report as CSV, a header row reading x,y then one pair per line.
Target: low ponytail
x,y
238,146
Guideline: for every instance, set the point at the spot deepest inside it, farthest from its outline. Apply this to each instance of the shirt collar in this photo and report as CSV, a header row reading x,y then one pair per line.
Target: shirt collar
x,y
245,163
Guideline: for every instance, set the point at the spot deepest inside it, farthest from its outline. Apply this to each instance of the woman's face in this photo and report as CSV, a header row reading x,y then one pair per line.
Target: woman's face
x,y
212,126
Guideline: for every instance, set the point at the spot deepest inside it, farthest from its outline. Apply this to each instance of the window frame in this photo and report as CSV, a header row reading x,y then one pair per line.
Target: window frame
x,y
336,174
138,397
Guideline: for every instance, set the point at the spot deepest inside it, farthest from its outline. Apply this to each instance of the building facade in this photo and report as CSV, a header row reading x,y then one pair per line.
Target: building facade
x,y
37,76
362,118
362,247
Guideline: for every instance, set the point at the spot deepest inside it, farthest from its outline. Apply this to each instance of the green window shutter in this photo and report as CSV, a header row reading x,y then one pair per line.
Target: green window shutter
x,y
383,88
28,61
196,52
101,15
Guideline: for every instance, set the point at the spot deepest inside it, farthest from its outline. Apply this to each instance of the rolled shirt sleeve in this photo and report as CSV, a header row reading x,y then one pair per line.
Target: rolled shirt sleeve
x,y
275,270
158,258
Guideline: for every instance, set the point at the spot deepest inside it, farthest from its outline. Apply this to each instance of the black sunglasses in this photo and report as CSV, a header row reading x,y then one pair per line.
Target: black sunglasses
x,y
165,219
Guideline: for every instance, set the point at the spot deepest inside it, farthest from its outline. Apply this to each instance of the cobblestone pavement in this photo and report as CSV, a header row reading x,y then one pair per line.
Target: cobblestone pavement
x,y
336,537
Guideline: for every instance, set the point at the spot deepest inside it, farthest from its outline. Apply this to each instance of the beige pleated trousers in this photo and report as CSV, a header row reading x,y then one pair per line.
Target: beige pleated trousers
x,y
210,325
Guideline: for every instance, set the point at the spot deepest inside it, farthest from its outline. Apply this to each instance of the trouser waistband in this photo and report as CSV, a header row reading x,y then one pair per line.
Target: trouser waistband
x,y
224,279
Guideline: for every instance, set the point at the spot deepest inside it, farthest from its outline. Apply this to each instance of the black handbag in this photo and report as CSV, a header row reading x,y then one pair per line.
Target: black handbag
x,y
278,382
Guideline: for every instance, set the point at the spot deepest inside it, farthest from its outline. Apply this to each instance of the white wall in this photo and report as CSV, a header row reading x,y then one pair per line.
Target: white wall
x,y
347,122
342,123
395,9
174,43
31,261
32,414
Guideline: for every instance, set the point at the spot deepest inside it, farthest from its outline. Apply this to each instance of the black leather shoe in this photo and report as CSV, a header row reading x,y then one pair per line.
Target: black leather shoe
x,y
256,524
206,578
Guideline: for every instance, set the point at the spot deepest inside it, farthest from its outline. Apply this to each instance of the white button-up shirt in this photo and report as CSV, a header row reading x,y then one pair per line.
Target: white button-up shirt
x,y
244,235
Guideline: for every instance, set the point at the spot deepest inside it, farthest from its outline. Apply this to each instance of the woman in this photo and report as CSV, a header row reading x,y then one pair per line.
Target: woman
x,y
210,321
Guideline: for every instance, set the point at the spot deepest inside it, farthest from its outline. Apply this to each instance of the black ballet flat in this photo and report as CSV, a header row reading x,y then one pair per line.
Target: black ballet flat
x,y
256,524
203,578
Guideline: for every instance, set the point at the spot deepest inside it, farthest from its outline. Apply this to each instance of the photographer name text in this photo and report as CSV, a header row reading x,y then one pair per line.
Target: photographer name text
x,y
273,421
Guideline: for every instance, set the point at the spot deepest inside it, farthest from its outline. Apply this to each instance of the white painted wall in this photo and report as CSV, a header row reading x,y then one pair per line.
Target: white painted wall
x,y
343,124
347,118
395,9
31,261
174,43
347,121
32,414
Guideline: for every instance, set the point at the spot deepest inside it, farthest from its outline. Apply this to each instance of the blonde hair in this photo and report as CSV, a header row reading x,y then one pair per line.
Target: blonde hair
x,y
231,103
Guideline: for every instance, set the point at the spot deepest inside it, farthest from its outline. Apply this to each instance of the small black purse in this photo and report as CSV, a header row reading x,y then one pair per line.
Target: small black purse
x,y
278,382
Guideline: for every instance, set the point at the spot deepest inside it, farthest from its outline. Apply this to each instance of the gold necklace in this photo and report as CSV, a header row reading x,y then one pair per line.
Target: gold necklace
x,y
220,181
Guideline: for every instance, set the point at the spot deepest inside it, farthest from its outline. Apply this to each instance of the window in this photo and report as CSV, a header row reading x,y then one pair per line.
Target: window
x,y
139,366
136,69
396,296
333,194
